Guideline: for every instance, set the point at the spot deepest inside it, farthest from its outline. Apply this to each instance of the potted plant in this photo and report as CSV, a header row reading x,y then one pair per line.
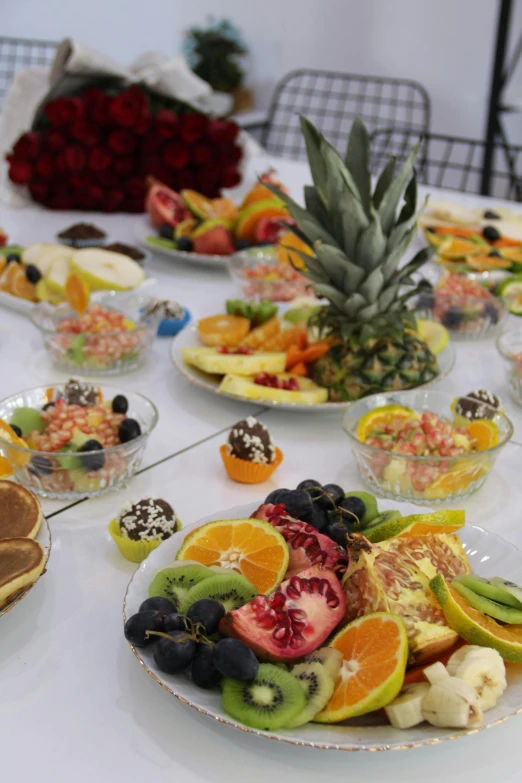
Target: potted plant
x,y
214,53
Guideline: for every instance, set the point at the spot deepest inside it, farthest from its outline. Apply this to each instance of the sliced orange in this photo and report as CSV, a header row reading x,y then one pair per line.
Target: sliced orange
x,y
288,243
484,434
77,293
454,483
485,261
262,334
20,285
7,277
248,219
224,208
6,468
459,248
227,330
14,456
250,546
375,652
384,416
258,193
295,336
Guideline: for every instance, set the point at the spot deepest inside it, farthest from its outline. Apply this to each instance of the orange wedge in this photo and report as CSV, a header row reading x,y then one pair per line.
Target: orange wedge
x,y
7,277
77,293
226,330
250,546
262,334
224,208
484,434
384,416
6,469
20,285
14,456
454,483
375,652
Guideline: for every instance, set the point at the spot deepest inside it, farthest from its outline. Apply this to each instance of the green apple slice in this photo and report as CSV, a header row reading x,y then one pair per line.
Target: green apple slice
x,y
57,274
105,270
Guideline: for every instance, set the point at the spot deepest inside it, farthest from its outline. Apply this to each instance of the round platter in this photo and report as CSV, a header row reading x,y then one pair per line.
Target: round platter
x,y
143,229
188,338
43,538
488,554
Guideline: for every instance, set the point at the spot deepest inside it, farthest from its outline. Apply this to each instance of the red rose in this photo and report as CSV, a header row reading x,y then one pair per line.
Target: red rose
x,y
38,191
45,166
122,142
135,187
151,143
187,180
85,132
153,166
124,166
222,131
108,178
230,177
27,146
192,126
229,153
92,97
209,176
75,157
100,112
99,159
135,205
130,108
55,140
202,154
167,124
94,195
63,111
113,200
176,155
20,172
80,180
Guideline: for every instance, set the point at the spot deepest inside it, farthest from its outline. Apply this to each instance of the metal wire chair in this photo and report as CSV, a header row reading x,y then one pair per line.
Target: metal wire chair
x,y
331,101
19,53
451,162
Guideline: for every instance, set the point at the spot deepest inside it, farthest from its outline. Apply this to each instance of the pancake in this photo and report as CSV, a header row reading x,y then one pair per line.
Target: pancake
x,y
20,512
22,562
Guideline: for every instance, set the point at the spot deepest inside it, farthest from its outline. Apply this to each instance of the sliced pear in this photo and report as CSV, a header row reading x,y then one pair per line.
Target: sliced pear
x,y
32,253
46,260
57,274
309,393
105,270
212,361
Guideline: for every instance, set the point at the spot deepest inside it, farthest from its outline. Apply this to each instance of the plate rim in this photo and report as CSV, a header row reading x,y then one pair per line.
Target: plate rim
x,y
242,509
47,549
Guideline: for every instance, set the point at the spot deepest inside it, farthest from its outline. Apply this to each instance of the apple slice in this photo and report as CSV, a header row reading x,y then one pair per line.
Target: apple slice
x,y
57,274
105,270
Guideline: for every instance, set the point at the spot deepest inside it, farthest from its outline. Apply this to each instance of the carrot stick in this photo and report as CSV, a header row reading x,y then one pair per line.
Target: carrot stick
x,y
314,352
299,369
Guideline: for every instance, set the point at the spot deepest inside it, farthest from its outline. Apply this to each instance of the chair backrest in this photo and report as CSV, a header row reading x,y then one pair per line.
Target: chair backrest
x,y
332,100
19,53
451,162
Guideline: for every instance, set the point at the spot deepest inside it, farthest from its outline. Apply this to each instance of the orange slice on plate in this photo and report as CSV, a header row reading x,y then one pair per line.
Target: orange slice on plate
x,y
226,330
20,285
262,334
252,547
77,293
375,652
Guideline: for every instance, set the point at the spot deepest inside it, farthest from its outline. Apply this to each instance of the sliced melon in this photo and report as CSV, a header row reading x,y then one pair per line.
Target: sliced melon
x,y
308,394
105,270
212,361
57,274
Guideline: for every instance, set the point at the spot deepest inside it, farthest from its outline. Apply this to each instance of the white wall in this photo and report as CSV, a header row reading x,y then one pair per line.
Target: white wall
x,y
447,45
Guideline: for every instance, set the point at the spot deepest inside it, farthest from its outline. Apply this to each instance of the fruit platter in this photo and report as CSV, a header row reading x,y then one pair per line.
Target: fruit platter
x,y
318,617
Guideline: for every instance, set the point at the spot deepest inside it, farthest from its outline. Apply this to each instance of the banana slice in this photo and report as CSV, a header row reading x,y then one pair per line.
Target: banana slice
x,y
405,711
458,656
452,703
435,673
484,670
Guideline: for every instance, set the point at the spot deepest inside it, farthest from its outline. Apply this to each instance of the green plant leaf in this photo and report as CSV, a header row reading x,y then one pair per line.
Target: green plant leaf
x,y
313,140
316,207
332,294
357,161
384,181
306,222
372,286
371,245
354,304
410,200
388,205
368,312
387,297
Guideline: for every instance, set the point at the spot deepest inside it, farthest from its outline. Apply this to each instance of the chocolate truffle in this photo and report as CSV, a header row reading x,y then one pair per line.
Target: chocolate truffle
x,y
477,405
148,520
76,393
251,441
82,231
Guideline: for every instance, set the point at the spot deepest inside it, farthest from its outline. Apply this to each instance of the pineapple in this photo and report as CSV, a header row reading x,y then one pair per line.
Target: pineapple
x,y
212,361
306,393
358,242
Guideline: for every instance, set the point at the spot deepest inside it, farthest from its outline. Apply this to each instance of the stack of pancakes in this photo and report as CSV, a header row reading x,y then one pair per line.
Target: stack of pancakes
x,y
22,559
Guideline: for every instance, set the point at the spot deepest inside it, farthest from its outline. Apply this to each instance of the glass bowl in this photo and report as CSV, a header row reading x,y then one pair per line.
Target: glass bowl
x,y
421,479
63,476
260,275
100,353
509,346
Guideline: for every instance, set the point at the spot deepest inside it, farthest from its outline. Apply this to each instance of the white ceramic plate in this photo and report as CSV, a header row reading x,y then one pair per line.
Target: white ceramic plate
x,y
188,338
23,306
488,554
144,229
43,538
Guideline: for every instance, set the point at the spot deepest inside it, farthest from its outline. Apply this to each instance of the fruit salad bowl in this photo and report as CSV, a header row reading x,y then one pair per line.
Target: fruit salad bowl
x,y
509,346
260,275
61,450
407,447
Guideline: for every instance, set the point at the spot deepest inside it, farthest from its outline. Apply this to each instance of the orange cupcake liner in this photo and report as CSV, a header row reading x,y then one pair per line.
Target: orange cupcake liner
x,y
249,472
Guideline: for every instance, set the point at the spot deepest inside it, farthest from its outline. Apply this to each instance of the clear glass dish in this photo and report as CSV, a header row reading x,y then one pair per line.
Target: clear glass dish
x,y
99,353
61,475
509,346
260,275
397,475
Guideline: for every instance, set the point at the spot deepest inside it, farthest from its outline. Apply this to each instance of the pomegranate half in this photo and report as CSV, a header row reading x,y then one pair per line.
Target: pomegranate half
x,y
164,205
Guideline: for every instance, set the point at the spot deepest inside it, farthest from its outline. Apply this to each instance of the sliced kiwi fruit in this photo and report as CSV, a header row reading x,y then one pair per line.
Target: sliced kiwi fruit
x,y
330,658
496,589
270,701
28,419
382,519
506,614
370,503
231,589
318,688
175,582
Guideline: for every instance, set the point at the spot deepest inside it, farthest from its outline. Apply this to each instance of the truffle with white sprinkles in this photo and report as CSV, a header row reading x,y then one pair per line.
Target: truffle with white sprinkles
x,y
251,441
480,404
148,520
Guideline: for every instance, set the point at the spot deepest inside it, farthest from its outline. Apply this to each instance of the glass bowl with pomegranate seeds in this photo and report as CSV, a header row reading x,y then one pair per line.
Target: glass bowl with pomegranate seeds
x,y
113,336
509,346
74,440
410,445
260,275
464,305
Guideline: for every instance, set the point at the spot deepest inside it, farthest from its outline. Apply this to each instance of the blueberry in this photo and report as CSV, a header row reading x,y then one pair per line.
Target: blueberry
x,y
490,215
494,254
235,660
120,404
241,244
173,655
337,532
92,456
32,273
204,673
452,317
208,612
184,243
16,429
352,511
13,258
334,495
311,486
136,627
174,622
490,233
319,518
41,466
48,405
128,430
166,231
159,604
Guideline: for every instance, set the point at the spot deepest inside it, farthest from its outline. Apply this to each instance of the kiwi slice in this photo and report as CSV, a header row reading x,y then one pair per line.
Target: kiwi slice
x,y
318,688
28,419
382,519
496,589
506,614
175,582
371,506
270,701
231,589
330,658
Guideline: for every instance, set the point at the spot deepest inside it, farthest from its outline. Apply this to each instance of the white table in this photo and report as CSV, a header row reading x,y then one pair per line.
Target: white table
x,y
74,703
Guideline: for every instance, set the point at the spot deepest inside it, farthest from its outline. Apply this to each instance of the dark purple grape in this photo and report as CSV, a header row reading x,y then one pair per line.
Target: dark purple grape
x,y
159,604
235,660
208,612
136,627
174,654
204,673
